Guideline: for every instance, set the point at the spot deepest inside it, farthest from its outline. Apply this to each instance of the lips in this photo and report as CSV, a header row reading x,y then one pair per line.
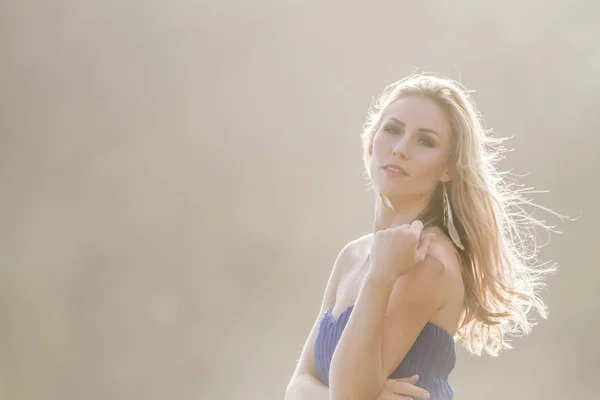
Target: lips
x,y
395,168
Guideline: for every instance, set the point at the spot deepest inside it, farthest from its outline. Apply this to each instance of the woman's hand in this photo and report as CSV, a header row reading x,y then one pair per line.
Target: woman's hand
x,y
397,250
401,389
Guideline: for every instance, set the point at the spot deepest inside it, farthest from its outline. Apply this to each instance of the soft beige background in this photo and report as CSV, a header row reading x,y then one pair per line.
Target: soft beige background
x,y
176,179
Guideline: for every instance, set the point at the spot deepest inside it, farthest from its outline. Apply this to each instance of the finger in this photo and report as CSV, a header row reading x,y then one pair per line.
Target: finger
x,y
410,379
424,246
416,227
408,389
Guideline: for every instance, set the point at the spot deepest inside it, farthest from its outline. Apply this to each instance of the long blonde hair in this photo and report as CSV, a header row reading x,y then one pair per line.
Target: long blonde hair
x,y
501,273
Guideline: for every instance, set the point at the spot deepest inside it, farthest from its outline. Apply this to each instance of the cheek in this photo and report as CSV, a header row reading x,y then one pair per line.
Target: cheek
x,y
377,157
378,146
429,165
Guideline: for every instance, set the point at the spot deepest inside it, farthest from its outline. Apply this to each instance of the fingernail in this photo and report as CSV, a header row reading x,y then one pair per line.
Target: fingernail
x,y
426,395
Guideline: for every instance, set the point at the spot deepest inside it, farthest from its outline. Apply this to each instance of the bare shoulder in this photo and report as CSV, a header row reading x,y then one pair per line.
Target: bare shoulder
x,y
357,249
442,249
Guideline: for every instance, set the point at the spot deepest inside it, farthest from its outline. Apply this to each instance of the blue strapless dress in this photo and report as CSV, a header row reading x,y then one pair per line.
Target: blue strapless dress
x,y
432,356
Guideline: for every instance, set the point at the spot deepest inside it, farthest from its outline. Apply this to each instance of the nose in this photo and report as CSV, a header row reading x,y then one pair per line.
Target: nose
x,y
401,147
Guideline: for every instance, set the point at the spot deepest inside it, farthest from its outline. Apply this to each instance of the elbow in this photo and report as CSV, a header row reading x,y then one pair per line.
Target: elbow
x,y
299,387
287,395
291,389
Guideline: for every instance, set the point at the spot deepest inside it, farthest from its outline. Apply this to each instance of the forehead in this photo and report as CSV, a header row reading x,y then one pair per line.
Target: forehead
x,y
418,112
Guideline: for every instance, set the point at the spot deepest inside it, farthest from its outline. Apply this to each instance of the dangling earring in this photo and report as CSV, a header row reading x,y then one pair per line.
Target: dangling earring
x,y
448,221
386,202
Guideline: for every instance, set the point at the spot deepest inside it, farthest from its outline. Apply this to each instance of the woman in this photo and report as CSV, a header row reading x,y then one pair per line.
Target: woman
x,y
450,256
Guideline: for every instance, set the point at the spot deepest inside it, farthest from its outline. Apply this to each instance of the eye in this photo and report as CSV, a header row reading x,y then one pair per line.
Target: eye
x,y
392,129
427,142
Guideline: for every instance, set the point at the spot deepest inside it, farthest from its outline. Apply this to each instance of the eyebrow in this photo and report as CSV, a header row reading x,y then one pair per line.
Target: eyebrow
x,y
420,129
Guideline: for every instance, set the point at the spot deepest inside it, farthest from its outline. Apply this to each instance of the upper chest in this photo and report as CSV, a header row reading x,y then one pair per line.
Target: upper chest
x,y
351,282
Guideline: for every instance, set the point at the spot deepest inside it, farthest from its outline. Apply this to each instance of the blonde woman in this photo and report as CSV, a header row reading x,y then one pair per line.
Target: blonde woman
x,y
452,255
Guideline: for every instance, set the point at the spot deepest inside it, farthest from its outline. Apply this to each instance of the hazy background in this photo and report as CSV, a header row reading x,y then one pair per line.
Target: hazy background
x,y
176,179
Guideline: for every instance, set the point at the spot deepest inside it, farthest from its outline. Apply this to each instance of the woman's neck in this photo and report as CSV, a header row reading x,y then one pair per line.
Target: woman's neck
x,y
401,212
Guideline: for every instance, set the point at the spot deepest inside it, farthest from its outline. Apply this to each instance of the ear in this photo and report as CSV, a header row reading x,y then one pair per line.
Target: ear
x,y
448,174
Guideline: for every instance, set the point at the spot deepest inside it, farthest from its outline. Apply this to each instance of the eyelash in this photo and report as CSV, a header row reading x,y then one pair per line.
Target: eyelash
x,y
424,141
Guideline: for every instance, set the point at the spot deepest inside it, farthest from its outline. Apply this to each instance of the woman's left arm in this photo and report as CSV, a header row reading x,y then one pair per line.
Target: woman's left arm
x,y
388,316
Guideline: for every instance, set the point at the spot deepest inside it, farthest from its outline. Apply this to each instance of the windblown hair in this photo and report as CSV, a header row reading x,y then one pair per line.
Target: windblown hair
x,y
501,272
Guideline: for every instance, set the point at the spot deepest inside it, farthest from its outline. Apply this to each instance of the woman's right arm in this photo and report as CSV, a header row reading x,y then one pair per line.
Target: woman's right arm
x,y
305,384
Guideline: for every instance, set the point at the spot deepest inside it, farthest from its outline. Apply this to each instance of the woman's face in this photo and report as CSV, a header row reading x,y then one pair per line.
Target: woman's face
x,y
414,135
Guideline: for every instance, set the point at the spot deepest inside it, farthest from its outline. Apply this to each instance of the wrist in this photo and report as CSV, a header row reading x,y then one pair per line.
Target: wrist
x,y
376,278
